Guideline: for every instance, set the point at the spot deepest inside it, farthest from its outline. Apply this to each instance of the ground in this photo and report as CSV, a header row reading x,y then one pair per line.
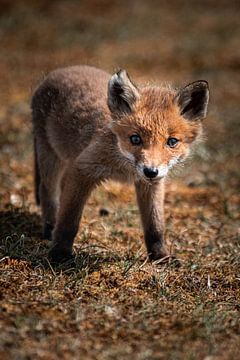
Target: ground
x,y
115,304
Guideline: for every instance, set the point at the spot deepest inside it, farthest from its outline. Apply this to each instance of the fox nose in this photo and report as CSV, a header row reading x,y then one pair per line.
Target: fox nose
x,y
150,172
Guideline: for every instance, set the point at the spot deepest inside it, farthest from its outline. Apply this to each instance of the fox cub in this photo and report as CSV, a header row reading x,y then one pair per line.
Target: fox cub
x,y
90,126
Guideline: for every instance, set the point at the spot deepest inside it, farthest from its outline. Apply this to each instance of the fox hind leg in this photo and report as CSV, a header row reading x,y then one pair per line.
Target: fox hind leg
x,y
49,169
48,206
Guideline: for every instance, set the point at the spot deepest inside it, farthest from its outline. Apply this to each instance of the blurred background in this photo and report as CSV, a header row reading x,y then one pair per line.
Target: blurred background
x,y
118,294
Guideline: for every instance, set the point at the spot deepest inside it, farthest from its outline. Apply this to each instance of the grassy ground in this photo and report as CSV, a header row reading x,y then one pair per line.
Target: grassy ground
x,y
114,304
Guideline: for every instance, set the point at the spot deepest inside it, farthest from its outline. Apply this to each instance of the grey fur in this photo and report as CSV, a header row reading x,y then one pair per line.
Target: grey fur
x,y
122,93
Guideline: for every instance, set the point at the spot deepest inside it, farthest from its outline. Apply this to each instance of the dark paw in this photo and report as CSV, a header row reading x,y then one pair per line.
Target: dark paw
x,y
164,257
170,260
47,231
158,253
59,256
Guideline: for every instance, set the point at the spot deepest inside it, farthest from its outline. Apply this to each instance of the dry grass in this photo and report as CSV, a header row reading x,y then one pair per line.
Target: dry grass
x,y
114,304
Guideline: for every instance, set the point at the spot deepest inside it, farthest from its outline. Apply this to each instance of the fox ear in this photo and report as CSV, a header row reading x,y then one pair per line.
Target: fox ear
x,y
193,100
122,93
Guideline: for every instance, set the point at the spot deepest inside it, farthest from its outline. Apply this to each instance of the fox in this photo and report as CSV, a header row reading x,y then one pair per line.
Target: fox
x,y
89,127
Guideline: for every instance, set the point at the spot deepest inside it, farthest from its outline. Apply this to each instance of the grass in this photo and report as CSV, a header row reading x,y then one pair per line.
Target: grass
x,y
114,304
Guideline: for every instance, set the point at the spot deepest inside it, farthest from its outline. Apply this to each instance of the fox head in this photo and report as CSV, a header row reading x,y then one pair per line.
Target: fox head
x,y
155,126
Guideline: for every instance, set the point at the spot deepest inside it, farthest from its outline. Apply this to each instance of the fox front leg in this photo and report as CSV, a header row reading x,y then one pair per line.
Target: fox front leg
x,y
76,187
150,200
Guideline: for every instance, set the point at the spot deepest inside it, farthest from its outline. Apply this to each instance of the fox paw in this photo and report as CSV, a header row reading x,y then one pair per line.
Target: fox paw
x,y
163,257
158,253
59,256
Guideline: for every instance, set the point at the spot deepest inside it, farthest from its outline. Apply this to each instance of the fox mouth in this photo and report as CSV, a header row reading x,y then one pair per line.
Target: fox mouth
x,y
148,181
155,180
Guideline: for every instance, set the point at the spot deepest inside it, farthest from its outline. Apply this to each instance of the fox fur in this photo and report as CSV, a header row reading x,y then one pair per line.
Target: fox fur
x,y
90,126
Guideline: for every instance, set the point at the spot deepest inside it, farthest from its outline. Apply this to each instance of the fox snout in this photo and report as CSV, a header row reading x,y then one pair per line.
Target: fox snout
x,y
154,173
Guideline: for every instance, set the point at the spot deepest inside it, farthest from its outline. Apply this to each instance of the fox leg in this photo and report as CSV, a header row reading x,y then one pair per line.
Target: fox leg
x,y
150,199
48,206
49,169
75,190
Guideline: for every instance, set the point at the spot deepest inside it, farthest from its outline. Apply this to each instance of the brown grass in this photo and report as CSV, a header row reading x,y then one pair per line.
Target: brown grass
x,y
114,304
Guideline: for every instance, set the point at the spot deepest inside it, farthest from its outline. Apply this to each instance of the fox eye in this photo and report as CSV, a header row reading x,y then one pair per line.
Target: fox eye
x,y
135,139
172,142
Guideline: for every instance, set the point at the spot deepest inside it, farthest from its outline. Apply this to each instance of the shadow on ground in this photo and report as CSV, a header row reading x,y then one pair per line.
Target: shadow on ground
x,y
21,239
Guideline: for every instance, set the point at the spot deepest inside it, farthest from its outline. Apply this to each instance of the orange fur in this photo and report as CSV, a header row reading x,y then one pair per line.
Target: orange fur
x,y
155,118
